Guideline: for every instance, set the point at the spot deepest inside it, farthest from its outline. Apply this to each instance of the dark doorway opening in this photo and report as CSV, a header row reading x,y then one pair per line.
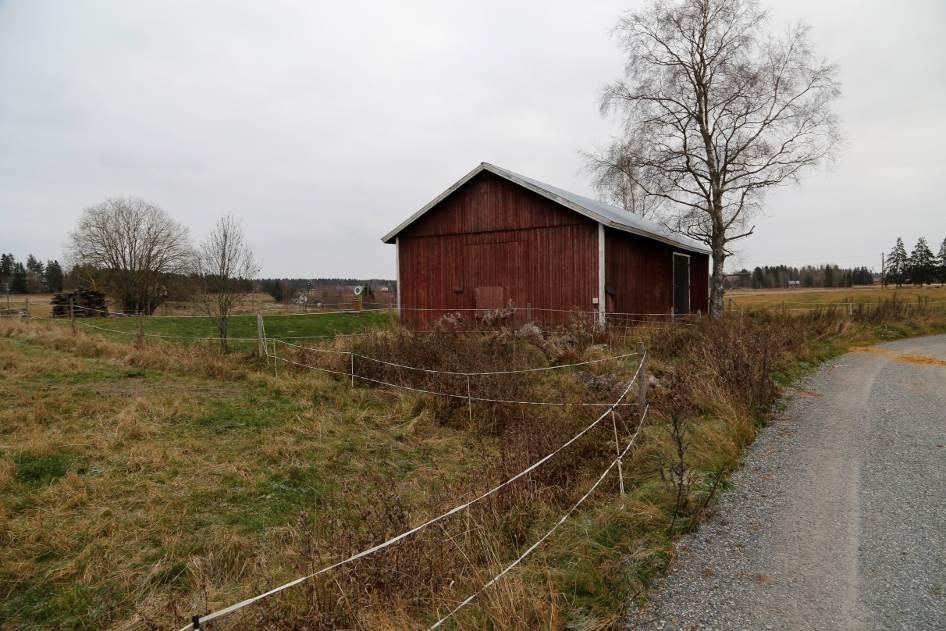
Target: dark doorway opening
x,y
681,284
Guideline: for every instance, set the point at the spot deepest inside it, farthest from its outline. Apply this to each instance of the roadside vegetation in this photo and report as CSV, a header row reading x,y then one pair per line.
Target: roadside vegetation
x,y
141,486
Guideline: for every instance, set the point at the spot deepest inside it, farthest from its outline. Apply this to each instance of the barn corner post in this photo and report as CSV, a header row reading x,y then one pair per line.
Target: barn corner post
x,y
602,288
397,272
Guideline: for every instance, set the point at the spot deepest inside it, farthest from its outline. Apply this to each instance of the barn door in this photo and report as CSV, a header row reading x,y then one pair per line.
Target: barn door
x,y
681,284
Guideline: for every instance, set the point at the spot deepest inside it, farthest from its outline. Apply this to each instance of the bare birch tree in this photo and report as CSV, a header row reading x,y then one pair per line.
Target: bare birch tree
x,y
716,110
616,177
225,266
131,246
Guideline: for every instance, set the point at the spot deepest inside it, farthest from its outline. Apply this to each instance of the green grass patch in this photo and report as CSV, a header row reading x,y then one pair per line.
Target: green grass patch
x,y
287,327
256,409
41,469
49,604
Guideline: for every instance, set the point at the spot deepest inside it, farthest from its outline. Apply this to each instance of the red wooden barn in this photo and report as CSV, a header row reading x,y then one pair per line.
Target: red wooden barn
x,y
496,239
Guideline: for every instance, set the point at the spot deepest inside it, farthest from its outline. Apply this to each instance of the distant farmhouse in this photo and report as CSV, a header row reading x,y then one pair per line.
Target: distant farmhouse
x,y
496,239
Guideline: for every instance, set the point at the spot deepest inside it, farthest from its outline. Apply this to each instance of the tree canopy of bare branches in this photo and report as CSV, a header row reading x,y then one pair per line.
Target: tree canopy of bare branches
x,y
225,265
716,110
132,246
617,176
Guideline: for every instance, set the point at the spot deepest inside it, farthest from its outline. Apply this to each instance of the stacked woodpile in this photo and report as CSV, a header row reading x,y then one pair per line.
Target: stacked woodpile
x,y
87,303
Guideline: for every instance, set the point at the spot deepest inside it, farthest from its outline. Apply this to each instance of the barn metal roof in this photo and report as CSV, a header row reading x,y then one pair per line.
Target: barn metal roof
x,y
609,216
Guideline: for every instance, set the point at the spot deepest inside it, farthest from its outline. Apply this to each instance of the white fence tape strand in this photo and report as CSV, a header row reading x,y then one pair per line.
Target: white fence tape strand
x,y
460,373
532,548
200,620
166,337
453,395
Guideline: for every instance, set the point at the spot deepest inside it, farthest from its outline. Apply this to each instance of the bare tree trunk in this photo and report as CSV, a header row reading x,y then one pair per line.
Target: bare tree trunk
x,y
716,283
223,322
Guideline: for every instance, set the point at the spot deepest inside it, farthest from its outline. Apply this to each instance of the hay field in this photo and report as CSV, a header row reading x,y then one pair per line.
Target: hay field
x,y
813,297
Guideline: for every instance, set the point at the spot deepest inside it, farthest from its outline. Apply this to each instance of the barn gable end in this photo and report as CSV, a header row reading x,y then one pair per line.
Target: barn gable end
x,y
491,244
489,203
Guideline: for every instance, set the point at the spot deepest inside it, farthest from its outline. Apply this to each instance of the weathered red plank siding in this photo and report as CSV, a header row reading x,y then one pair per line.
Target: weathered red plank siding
x,y
639,275
517,247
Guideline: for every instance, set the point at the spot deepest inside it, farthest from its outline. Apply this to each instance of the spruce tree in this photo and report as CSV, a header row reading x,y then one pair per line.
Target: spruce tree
x,y
942,262
18,282
53,276
922,263
758,280
6,266
897,264
34,265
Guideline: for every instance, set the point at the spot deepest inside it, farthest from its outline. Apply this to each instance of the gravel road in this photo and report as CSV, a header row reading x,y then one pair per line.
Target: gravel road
x,y
837,519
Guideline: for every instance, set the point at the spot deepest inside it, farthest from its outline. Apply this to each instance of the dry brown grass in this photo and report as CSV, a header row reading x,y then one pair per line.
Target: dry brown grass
x,y
141,486
822,296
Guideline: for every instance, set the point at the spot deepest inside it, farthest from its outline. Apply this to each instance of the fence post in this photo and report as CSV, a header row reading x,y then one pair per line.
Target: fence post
x,y
352,355
260,336
141,330
72,314
617,452
275,360
642,380
469,399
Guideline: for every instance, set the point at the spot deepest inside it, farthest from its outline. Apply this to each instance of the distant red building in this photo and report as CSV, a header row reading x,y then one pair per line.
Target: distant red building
x,y
496,239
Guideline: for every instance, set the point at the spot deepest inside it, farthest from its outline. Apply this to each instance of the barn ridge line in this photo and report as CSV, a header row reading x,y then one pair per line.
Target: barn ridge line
x,y
604,214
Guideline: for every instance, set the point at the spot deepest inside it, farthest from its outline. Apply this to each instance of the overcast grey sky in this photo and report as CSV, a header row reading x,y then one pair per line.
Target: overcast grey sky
x,y
325,124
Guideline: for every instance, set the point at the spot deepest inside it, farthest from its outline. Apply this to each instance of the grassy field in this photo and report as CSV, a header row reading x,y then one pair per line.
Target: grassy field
x,y
814,297
299,327
139,487
126,489
39,305
281,321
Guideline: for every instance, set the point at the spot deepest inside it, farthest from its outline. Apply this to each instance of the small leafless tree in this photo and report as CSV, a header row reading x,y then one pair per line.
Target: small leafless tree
x,y
616,176
225,266
130,246
716,111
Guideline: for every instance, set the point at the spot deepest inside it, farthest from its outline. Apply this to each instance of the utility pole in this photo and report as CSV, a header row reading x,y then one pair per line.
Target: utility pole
x,y
883,271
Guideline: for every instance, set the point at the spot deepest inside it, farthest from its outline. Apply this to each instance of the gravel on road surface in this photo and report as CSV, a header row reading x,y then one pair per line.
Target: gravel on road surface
x,y
837,519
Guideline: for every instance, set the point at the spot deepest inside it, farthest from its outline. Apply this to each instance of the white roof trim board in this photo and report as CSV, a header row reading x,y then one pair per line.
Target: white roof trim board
x,y
605,214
